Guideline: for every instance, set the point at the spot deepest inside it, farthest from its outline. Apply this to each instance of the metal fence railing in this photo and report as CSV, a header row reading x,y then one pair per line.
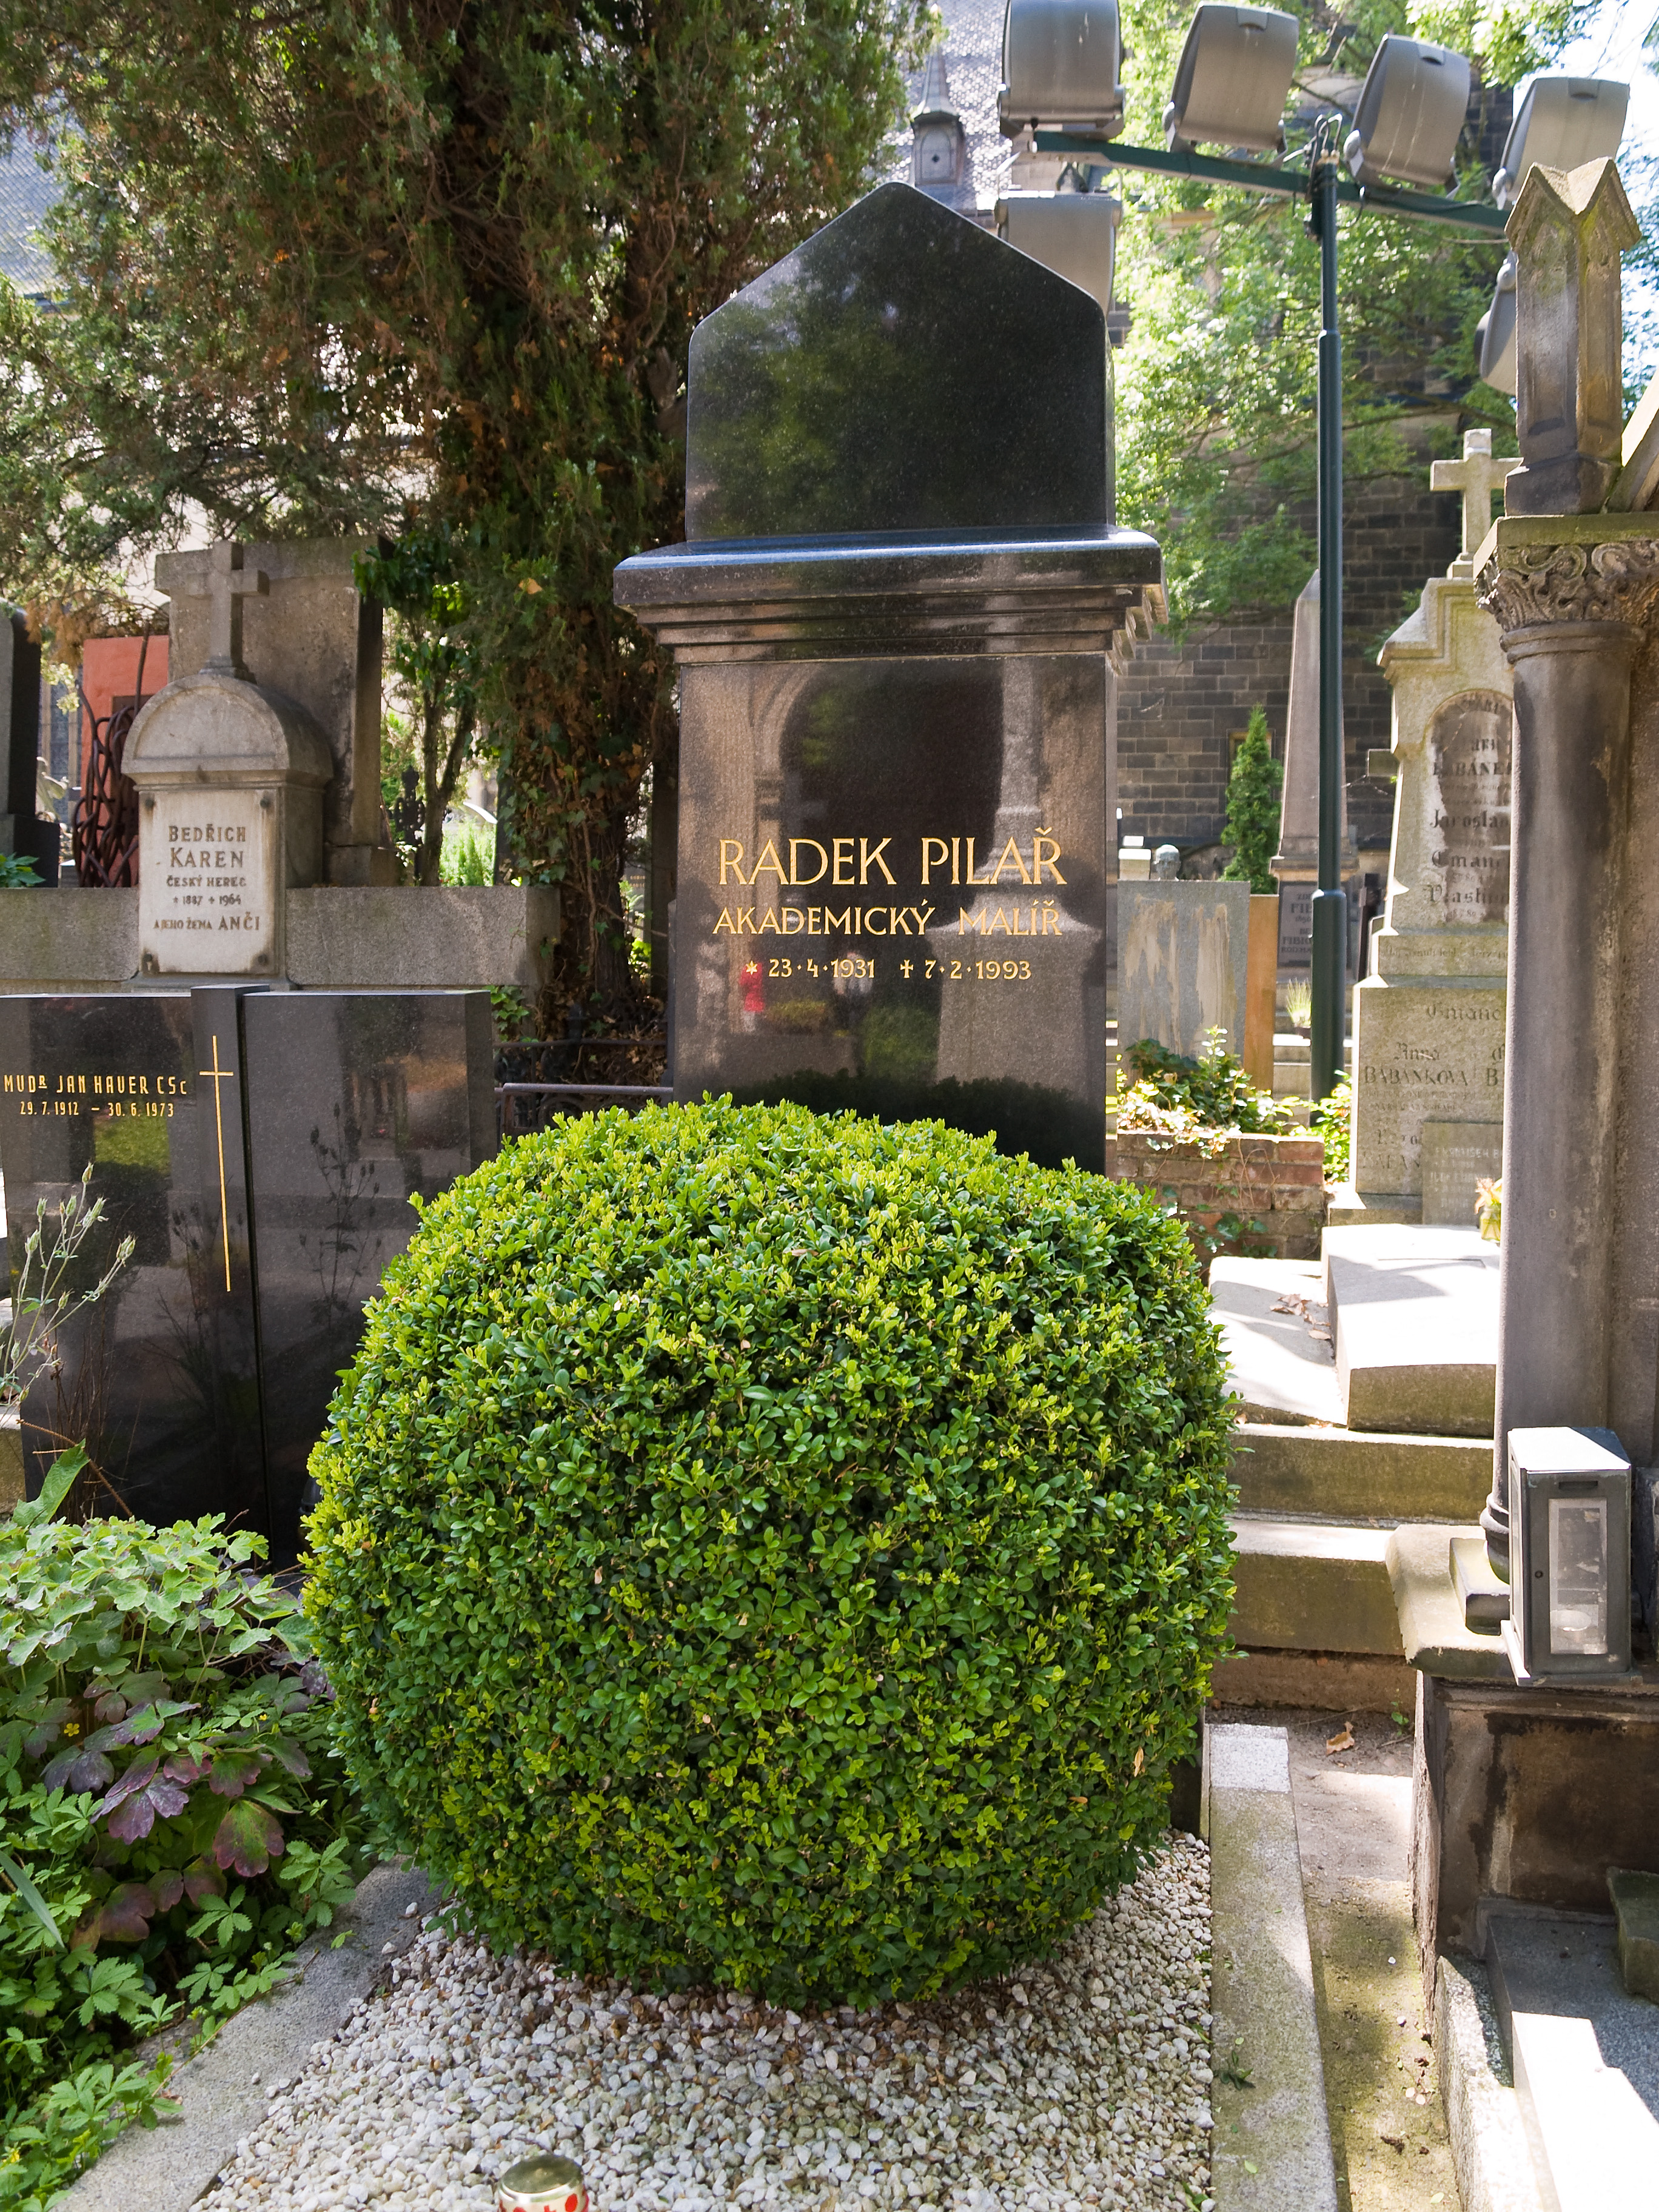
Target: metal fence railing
x,y
522,1108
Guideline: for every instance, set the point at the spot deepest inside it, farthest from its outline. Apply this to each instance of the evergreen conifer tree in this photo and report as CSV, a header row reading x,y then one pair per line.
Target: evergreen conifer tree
x,y
1252,826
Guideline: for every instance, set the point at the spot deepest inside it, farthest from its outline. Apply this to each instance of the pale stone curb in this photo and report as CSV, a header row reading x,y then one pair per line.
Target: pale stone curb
x,y
167,2168
1483,2113
1272,2145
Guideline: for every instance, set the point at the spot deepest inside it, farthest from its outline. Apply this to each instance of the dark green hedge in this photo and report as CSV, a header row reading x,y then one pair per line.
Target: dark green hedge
x,y
775,1550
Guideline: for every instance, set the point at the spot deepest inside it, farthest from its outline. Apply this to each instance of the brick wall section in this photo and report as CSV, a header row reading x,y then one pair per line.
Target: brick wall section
x,y
1177,704
1276,1183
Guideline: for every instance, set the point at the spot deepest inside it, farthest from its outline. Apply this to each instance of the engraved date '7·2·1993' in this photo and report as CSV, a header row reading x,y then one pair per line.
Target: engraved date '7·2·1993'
x,y
947,971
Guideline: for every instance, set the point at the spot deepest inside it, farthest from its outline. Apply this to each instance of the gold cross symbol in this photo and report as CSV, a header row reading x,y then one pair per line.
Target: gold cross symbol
x,y
216,1075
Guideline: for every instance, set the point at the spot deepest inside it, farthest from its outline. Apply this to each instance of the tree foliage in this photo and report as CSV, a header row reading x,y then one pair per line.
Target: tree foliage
x,y
1253,796
428,267
1216,385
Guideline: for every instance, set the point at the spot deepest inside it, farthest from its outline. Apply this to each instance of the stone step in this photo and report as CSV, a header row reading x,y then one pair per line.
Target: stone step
x,y
1307,1585
1413,1318
1349,1475
1584,2053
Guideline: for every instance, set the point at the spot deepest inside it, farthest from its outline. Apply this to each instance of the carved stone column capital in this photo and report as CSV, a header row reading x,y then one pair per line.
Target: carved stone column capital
x,y
1614,581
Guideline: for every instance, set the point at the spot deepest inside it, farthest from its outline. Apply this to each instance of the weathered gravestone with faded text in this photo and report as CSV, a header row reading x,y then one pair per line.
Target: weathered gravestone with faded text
x,y
1428,1110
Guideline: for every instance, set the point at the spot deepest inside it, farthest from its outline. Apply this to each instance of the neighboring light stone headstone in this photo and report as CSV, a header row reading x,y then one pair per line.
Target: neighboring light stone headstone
x,y
1478,476
21,829
897,772
1454,1158
307,633
230,777
1183,961
1429,1022
1296,864
261,1148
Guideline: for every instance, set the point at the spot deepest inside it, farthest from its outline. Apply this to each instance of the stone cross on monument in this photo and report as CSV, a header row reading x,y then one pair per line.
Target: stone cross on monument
x,y
1478,476
225,584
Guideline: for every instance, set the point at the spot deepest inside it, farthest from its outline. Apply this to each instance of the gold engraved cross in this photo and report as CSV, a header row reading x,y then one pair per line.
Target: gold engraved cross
x,y
216,1075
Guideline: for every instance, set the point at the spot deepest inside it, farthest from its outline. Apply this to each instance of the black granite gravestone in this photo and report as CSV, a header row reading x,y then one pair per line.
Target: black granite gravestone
x,y
893,617
21,829
261,1149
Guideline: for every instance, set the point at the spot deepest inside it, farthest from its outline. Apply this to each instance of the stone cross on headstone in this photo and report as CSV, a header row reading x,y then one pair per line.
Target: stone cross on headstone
x,y
1478,476
225,584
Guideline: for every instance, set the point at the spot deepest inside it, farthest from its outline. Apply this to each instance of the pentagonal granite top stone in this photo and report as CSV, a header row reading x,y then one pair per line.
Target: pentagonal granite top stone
x,y
901,370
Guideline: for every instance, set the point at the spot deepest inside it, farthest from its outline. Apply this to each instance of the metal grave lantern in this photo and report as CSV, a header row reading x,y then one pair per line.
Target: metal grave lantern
x,y
1570,1534
895,615
1233,80
1062,60
1410,113
1560,122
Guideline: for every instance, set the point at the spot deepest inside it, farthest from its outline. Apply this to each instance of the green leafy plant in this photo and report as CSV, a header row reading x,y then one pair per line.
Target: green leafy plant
x,y
17,871
172,1817
777,1550
1253,793
511,1012
1205,1102
1332,1118
467,856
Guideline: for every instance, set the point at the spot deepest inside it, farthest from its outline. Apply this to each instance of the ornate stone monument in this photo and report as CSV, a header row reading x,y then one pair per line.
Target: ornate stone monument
x,y
1429,1022
230,777
1533,1790
307,633
259,826
894,616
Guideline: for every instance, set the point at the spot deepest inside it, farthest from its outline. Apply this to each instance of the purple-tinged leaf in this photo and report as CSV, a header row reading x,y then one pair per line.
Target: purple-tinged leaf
x,y
184,1767
146,1723
111,1706
234,1772
125,1914
168,1887
203,1878
290,1756
46,1725
139,1799
78,1770
247,1838
138,1776
313,1680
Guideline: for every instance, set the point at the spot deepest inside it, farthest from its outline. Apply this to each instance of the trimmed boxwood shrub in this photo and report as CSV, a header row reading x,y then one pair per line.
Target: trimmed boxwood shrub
x,y
775,1550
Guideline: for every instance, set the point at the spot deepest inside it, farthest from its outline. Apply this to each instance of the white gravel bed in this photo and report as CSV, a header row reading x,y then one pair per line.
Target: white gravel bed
x,y
1085,2082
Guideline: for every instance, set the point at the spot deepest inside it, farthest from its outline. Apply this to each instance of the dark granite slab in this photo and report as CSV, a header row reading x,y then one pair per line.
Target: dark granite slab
x,y
893,876
357,1102
901,370
110,1081
261,1149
